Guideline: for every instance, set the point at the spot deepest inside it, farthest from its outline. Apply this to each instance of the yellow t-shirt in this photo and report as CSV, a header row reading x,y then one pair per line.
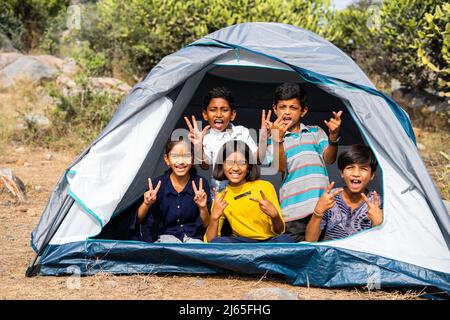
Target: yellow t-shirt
x,y
244,215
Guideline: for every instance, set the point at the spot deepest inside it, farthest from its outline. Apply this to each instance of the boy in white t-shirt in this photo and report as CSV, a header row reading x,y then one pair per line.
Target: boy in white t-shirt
x,y
219,111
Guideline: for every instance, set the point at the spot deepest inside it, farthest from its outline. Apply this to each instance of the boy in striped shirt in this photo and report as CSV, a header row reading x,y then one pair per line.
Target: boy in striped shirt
x,y
301,152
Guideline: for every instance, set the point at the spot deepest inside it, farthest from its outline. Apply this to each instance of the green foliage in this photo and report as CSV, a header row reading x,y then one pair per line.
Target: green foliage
x,y
402,22
433,48
137,34
24,21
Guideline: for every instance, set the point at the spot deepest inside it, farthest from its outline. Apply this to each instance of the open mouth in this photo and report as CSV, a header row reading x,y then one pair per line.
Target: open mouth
x,y
355,183
180,168
218,123
287,119
235,175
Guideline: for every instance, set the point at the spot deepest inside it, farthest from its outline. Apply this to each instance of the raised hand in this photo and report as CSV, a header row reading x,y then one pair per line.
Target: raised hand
x,y
199,194
279,128
266,206
334,125
374,213
266,125
219,204
150,195
195,135
326,201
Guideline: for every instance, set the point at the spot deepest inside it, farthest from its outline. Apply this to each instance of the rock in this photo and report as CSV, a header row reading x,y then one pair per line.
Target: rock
x,y
8,58
38,120
12,183
27,164
67,85
48,156
199,282
109,84
69,67
28,69
271,293
50,61
31,212
395,85
38,188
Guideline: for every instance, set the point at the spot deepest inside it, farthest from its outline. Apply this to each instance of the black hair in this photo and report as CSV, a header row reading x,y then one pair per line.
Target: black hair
x,y
170,144
219,92
359,154
287,91
226,150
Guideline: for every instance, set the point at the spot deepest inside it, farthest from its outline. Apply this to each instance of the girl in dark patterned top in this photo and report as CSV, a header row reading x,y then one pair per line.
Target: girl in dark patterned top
x,y
342,212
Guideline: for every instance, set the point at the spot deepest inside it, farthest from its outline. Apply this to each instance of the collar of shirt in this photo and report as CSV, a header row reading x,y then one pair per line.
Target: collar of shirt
x,y
303,129
170,189
221,135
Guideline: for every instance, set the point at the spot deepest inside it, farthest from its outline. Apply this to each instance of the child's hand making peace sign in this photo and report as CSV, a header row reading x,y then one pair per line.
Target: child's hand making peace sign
x,y
150,195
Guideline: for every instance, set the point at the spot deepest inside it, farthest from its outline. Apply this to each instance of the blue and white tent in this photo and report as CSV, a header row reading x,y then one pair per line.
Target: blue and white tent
x,y
410,248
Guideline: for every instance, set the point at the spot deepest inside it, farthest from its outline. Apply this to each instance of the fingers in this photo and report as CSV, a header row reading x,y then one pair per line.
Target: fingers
x,y
188,124
215,193
150,185
334,194
223,195
263,117
200,188
194,187
365,199
255,200
269,114
158,186
330,187
262,195
337,115
194,123
375,199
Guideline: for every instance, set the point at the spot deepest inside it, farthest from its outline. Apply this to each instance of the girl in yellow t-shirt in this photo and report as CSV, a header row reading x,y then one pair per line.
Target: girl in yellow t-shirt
x,y
250,205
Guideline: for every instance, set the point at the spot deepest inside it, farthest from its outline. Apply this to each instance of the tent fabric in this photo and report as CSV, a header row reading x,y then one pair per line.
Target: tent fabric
x,y
410,248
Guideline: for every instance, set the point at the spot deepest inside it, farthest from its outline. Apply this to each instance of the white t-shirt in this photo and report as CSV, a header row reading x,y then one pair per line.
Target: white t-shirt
x,y
214,139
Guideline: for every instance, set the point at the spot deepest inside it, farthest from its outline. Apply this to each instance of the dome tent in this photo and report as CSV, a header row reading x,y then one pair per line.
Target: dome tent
x,y
410,248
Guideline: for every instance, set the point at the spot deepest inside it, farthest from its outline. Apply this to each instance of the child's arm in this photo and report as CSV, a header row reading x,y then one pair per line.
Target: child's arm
x,y
216,213
149,200
334,125
278,131
196,137
200,200
263,135
325,203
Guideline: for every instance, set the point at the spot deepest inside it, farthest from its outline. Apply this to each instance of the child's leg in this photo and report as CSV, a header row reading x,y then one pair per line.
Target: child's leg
x,y
167,238
233,239
284,238
297,228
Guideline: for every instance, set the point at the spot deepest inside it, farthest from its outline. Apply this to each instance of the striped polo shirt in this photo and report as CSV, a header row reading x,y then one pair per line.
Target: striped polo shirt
x,y
306,176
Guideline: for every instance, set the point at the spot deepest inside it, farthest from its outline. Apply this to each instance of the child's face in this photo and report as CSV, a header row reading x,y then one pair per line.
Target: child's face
x,y
290,110
235,168
218,113
357,177
179,159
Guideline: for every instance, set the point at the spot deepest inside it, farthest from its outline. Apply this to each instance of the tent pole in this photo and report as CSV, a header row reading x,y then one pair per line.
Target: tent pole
x,y
33,269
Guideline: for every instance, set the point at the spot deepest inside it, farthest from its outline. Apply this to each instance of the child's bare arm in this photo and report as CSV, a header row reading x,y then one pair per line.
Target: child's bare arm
x,y
334,126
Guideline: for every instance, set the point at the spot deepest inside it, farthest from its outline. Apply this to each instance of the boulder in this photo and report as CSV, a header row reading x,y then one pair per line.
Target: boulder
x,y
28,69
38,120
8,58
109,84
6,44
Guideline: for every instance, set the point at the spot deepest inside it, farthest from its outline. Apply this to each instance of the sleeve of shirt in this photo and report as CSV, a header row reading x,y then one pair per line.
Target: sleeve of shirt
x,y
207,150
322,139
324,221
271,195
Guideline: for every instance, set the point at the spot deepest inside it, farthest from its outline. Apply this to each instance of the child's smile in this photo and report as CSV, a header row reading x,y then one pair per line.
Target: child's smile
x,y
235,169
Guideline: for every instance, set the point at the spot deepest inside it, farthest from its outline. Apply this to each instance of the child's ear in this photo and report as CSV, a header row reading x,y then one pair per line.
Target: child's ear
x,y
205,115
372,175
233,115
166,160
274,107
304,111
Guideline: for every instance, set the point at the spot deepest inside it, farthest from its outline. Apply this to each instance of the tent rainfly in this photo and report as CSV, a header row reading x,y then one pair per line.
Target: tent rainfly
x,y
409,249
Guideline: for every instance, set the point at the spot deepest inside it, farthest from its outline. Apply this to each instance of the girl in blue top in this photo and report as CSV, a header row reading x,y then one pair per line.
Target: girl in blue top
x,y
175,206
